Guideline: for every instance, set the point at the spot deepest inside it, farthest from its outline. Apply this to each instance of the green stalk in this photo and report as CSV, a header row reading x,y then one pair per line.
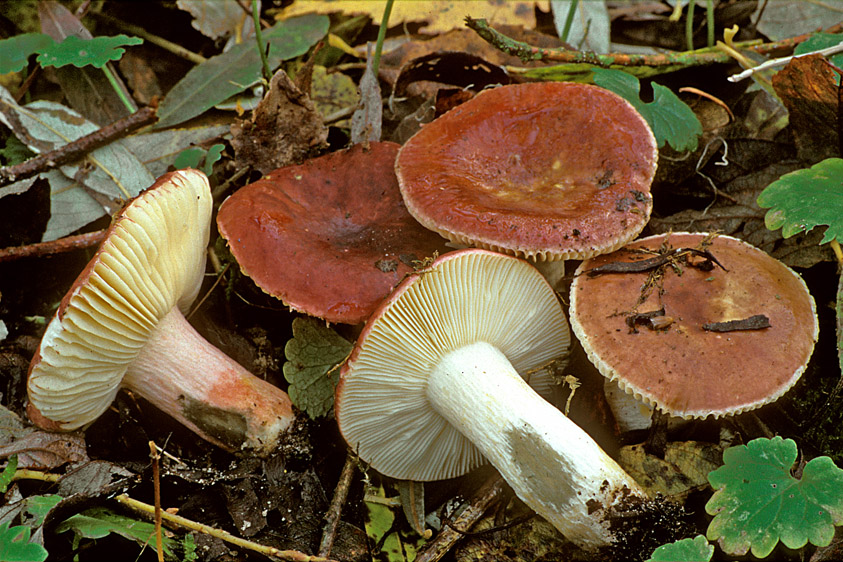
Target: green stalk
x,y
267,72
120,93
709,22
569,20
381,36
689,25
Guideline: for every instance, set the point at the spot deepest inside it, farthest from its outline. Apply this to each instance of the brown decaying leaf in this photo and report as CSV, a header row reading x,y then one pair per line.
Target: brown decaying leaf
x,y
807,88
42,450
284,129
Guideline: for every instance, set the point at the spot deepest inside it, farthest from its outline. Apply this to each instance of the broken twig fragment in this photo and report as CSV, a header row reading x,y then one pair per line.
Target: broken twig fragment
x,y
756,322
653,263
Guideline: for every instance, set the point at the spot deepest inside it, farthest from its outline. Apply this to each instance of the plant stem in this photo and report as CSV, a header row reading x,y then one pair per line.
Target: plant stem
x,y
381,36
709,22
267,72
689,25
120,93
569,20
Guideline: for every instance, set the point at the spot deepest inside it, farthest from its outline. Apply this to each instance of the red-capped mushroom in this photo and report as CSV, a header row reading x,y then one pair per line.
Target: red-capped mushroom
x,y
121,325
548,171
330,237
728,339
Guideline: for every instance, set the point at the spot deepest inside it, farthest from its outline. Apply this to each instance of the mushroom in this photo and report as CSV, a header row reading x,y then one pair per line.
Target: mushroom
x,y
547,170
336,225
683,367
434,385
122,325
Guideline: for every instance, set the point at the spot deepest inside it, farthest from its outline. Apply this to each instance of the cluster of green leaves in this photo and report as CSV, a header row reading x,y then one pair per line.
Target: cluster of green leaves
x,y
758,502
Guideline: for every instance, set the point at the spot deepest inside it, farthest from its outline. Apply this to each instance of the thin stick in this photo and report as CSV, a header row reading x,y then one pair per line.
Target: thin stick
x,y
154,39
449,535
287,555
156,493
772,63
53,247
332,518
77,149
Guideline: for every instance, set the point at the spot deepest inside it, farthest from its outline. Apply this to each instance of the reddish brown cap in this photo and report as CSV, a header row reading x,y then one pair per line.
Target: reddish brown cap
x,y
545,170
684,369
330,237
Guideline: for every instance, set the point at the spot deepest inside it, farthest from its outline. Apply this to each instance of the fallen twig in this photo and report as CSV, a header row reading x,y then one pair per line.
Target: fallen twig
x,y
53,247
332,518
78,148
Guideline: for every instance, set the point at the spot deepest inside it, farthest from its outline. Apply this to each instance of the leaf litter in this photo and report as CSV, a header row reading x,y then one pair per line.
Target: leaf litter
x,y
712,173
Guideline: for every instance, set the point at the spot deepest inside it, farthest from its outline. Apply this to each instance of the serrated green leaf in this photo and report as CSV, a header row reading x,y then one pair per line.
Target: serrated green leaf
x,y
225,75
199,158
697,549
15,51
757,502
8,473
670,118
98,522
804,199
14,152
15,545
86,52
312,355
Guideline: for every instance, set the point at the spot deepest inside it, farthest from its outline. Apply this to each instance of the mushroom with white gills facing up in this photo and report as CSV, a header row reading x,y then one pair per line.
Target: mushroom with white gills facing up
x,y
433,386
122,324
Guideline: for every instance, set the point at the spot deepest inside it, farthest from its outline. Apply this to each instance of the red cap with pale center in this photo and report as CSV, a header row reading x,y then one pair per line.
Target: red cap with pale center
x,y
684,369
330,237
544,170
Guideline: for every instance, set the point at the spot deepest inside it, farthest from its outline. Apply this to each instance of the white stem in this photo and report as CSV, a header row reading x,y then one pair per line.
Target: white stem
x,y
188,378
552,464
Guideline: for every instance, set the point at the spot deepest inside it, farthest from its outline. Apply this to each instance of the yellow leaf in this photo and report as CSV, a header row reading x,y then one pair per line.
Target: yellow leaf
x,y
440,15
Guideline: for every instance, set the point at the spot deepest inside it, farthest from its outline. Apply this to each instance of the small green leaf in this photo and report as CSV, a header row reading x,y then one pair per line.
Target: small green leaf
x,y
670,118
15,545
86,52
313,356
98,522
391,544
806,198
199,158
36,508
697,549
15,51
8,473
757,502
14,152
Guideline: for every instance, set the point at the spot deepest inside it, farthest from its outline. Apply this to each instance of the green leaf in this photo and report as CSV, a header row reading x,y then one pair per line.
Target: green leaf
x,y
15,51
670,118
819,41
806,198
14,152
391,544
697,549
86,52
15,545
757,502
98,522
8,473
199,158
225,75
313,356
35,508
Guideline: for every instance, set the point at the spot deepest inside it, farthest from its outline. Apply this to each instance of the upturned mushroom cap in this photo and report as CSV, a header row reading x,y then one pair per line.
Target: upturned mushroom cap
x,y
122,324
685,370
134,280
468,296
548,170
330,237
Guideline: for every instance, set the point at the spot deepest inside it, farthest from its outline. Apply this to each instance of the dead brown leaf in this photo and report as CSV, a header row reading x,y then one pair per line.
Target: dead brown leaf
x,y
285,128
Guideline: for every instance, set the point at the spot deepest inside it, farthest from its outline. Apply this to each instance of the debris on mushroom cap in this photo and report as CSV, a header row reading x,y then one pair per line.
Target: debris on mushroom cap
x,y
72,376
122,325
331,237
546,170
464,297
684,369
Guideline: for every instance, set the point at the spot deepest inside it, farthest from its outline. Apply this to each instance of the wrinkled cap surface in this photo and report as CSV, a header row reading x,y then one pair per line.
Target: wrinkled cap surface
x,y
152,259
685,370
544,170
464,297
331,237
